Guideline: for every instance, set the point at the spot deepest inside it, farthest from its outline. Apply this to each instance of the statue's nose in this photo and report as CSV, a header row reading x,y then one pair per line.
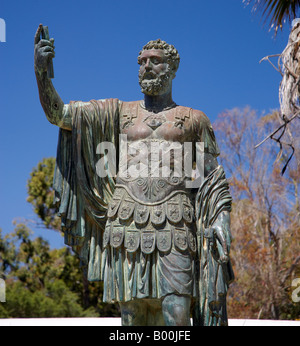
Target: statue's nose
x,y
148,65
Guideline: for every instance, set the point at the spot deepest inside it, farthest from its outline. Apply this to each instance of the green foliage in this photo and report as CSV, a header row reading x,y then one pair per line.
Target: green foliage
x,y
41,193
45,283
55,300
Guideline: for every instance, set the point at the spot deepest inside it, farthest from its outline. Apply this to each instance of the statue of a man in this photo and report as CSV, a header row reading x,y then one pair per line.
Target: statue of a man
x,y
160,244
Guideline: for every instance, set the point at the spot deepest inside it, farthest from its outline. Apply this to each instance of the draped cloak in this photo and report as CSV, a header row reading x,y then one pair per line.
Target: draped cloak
x,y
82,198
213,276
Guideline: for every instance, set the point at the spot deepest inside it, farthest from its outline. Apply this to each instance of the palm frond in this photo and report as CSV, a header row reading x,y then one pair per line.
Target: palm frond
x,y
276,11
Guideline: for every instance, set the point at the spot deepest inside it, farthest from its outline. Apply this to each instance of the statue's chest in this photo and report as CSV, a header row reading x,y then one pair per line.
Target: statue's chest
x,y
170,125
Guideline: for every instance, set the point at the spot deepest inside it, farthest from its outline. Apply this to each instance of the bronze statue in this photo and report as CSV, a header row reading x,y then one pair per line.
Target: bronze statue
x,y
157,234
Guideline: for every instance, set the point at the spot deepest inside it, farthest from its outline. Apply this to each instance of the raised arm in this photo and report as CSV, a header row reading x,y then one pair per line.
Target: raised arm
x,y
50,100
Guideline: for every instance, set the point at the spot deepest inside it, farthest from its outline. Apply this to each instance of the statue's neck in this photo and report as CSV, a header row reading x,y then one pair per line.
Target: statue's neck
x,y
158,102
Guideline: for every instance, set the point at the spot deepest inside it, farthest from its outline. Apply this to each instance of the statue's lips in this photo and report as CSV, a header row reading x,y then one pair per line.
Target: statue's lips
x,y
148,76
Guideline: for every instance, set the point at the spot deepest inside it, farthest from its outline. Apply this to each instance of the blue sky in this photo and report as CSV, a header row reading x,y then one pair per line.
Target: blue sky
x,y
97,42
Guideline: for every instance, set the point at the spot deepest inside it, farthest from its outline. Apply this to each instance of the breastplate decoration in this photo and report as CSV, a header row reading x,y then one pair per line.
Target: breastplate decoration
x,y
155,120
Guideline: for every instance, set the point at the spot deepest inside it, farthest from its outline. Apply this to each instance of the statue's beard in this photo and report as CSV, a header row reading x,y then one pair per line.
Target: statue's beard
x,y
154,86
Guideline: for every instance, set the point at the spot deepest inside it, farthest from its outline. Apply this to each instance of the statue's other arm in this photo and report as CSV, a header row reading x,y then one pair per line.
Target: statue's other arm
x,y
50,100
205,134
210,163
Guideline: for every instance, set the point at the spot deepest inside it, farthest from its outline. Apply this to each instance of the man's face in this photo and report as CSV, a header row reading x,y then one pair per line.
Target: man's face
x,y
155,76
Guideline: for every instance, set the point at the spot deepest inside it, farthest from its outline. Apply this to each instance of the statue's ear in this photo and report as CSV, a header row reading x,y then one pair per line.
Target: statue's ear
x,y
174,68
172,71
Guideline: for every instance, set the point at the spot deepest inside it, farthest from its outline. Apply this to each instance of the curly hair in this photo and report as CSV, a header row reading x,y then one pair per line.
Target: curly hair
x,y
170,51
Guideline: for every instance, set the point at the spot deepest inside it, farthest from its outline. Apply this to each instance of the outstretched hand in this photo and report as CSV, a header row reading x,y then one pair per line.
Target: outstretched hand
x,y
43,51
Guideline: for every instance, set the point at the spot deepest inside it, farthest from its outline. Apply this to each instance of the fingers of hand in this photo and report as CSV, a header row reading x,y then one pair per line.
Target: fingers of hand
x,y
224,258
49,54
37,35
43,43
46,48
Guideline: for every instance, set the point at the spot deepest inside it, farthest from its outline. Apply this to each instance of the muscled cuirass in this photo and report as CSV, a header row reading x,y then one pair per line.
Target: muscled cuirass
x,y
151,206
152,151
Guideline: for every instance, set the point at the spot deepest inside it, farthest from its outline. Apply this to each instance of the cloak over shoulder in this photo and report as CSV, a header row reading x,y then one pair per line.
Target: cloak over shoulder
x,y
81,195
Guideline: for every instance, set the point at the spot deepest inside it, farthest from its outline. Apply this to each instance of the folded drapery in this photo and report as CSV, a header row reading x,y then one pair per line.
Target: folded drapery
x,y
213,276
82,197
